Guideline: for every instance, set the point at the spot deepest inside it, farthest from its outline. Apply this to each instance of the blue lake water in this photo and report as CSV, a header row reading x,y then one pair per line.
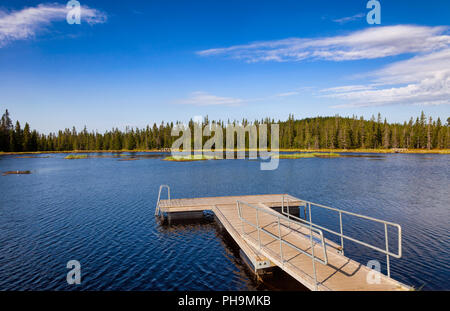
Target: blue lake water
x,y
100,211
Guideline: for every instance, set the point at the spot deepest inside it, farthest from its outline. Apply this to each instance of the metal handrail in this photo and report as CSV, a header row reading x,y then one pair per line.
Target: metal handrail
x,y
343,236
279,237
158,209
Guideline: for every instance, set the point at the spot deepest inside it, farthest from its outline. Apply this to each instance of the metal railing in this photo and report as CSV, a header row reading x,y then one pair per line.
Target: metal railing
x,y
158,209
282,218
341,233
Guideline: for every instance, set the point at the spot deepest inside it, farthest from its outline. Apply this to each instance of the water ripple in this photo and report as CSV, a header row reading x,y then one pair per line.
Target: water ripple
x,y
100,212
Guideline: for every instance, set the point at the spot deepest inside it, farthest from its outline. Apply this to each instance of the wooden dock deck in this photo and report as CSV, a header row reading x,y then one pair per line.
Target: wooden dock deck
x,y
339,274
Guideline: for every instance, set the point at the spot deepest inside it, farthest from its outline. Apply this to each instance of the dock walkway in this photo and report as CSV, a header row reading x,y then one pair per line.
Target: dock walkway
x,y
270,238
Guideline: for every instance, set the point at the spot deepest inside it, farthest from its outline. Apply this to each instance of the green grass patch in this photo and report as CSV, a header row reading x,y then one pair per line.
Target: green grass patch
x,y
189,158
304,155
326,155
76,156
294,156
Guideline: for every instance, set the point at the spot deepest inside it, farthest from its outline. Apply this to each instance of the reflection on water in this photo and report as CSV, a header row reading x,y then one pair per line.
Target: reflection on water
x,y
99,211
276,279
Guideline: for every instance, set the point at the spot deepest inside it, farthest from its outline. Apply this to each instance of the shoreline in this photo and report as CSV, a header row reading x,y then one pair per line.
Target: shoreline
x,y
406,151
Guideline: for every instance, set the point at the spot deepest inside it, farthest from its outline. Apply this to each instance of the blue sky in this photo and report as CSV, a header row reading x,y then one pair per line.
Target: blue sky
x,y
138,62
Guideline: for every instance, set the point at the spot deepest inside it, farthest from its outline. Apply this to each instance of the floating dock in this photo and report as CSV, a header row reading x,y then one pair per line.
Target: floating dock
x,y
277,230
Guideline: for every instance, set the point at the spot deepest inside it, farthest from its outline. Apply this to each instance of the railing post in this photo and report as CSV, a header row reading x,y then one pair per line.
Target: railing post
x,y
307,206
238,205
387,250
342,232
168,194
312,247
289,213
158,209
157,203
257,225
281,244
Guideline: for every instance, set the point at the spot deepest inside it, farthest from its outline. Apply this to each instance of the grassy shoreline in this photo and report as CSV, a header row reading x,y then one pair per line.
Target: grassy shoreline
x,y
306,155
79,156
189,158
412,151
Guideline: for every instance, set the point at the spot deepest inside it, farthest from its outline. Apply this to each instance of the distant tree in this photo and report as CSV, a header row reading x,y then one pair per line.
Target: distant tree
x,y
33,144
5,131
395,137
317,133
130,141
429,134
386,135
422,130
6,121
116,140
16,138
26,144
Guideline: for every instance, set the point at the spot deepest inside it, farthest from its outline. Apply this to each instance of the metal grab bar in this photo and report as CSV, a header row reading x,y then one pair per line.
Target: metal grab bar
x,y
158,209
279,237
341,233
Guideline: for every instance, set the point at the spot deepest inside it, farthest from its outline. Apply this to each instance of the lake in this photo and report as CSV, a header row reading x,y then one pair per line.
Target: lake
x,y
100,211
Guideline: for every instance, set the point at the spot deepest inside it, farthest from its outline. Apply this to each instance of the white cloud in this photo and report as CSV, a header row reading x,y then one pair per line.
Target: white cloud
x,y
348,88
287,94
205,99
26,23
420,67
349,18
421,80
370,43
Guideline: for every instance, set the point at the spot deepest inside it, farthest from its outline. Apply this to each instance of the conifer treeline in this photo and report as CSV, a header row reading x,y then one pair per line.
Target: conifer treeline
x,y
311,133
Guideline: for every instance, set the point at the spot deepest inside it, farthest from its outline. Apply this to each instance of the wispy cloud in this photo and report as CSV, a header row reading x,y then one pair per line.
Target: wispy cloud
x,y
347,19
421,80
370,43
287,94
26,23
200,98
204,99
348,88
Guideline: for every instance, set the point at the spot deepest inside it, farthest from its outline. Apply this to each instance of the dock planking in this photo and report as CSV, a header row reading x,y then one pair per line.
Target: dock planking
x,y
340,274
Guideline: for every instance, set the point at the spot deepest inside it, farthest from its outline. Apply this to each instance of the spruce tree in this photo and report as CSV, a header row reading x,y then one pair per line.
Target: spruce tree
x,y
26,144
5,132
